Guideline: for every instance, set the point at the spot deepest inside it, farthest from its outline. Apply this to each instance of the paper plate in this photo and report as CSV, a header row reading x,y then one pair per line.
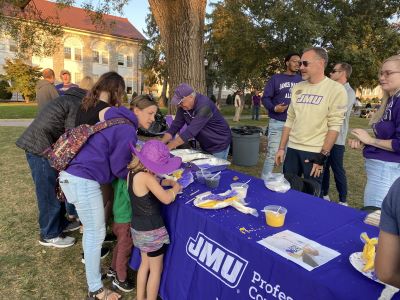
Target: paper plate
x,y
199,199
358,263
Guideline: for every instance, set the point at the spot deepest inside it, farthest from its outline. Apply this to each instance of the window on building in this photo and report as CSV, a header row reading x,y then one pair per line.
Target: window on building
x,y
128,83
67,53
78,78
96,56
104,58
2,46
78,53
121,61
129,61
13,47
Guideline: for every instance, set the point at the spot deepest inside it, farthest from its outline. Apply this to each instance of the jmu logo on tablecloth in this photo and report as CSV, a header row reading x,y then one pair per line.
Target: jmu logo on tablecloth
x,y
216,259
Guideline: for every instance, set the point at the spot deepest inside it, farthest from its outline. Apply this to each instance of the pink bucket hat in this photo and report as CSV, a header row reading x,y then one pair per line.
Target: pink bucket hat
x,y
155,156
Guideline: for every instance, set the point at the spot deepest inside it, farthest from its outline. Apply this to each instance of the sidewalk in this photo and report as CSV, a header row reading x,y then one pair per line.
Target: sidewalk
x,y
16,122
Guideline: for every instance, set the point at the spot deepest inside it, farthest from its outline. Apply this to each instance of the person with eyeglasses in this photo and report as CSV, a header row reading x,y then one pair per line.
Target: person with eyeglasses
x,y
276,100
204,123
340,73
315,116
382,152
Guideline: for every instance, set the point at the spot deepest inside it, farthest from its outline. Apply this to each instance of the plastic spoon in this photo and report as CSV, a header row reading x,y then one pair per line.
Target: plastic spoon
x,y
242,185
215,175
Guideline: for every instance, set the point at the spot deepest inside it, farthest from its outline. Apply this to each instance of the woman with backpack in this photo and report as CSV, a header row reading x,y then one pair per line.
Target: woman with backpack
x,y
103,157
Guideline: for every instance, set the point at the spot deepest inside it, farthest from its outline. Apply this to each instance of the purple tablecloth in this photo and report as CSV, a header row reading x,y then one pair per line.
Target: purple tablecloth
x,y
210,258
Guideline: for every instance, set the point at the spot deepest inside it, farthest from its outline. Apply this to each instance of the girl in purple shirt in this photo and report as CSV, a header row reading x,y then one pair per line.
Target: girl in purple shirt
x,y
382,152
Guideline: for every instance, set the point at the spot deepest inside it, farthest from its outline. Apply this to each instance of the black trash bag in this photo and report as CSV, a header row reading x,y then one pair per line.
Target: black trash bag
x,y
247,130
158,127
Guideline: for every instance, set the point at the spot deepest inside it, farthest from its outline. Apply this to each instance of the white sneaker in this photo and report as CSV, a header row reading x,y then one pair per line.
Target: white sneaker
x,y
343,203
327,198
58,242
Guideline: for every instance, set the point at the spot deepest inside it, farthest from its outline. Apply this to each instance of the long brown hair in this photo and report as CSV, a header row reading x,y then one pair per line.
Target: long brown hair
x,y
110,82
378,115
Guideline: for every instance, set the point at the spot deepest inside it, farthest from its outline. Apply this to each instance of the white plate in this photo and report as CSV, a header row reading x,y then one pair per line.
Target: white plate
x,y
199,199
358,263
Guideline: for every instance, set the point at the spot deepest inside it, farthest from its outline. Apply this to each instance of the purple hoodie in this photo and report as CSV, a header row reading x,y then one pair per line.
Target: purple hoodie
x,y
387,128
106,154
204,123
277,91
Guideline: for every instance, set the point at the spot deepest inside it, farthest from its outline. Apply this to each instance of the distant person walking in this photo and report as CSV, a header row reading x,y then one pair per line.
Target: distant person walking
x,y
340,73
66,84
45,89
239,103
255,104
276,99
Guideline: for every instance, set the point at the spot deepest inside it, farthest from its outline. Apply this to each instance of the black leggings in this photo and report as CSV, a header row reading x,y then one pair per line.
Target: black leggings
x,y
157,252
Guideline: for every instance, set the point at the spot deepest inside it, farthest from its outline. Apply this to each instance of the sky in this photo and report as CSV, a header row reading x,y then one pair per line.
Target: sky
x,y
136,12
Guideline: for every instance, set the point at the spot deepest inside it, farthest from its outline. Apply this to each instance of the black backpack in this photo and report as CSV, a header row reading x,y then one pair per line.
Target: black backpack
x,y
304,185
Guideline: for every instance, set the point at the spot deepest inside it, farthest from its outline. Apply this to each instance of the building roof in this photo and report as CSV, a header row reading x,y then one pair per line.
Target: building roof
x,y
78,18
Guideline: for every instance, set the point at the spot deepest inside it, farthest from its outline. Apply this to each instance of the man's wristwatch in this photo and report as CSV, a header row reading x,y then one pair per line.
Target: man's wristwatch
x,y
325,152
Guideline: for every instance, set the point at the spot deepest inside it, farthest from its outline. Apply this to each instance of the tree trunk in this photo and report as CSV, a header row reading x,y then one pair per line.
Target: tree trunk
x,y
181,24
163,97
219,93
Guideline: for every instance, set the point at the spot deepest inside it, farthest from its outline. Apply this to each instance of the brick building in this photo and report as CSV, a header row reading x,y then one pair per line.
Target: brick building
x,y
87,49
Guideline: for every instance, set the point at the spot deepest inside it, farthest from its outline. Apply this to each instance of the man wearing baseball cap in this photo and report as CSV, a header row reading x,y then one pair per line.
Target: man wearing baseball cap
x,y
66,84
204,123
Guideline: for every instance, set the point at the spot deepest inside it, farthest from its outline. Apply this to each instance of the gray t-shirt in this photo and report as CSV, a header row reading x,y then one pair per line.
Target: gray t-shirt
x,y
390,214
351,98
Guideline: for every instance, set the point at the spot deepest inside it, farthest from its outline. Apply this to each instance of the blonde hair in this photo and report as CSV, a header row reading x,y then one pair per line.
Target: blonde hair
x,y
378,115
135,165
86,83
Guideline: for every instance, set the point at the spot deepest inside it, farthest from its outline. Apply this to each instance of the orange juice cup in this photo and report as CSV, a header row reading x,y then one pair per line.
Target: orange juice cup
x,y
275,215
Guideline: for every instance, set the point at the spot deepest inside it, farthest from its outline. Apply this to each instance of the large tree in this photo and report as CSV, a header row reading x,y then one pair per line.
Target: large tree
x,y
253,36
181,25
154,67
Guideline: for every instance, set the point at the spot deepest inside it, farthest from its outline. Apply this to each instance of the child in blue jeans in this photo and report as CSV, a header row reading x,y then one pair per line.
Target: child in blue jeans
x,y
147,193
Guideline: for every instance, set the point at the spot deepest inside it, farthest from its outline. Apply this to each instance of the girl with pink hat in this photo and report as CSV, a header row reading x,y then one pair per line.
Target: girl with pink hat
x,y
146,193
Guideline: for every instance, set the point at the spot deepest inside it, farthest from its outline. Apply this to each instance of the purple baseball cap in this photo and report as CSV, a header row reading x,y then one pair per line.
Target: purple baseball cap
x,y
155,156
183,90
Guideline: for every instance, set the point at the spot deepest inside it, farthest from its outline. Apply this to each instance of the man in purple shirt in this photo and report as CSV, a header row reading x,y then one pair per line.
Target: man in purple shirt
x,y
204,123
255,103
276,99
66,84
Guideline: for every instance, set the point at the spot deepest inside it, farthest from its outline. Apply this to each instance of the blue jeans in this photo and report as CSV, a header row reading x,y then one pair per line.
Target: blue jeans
x,y
255,113
335,161
86,195
380,177
295,164
51,210
275,128
71,210
222,154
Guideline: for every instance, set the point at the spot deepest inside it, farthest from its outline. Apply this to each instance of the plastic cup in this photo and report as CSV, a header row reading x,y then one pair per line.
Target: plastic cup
x,y
200,176
240,188
212,180
275,215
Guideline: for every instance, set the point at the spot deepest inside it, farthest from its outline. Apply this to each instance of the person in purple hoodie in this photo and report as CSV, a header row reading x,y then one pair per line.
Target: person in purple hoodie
x,y
103,158
382,152
276,99
204,123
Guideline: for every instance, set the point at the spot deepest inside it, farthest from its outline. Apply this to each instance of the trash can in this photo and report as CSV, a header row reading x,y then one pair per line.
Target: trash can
x,y
246,145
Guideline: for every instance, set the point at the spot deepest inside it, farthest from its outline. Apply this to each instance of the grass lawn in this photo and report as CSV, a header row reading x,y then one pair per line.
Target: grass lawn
x,y
31,271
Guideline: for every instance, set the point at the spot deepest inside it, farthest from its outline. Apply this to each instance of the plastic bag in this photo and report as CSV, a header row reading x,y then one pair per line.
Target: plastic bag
x,y
276,182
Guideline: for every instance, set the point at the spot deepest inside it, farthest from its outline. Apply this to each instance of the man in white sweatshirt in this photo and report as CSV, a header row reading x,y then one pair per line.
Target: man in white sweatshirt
x,y
315,116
